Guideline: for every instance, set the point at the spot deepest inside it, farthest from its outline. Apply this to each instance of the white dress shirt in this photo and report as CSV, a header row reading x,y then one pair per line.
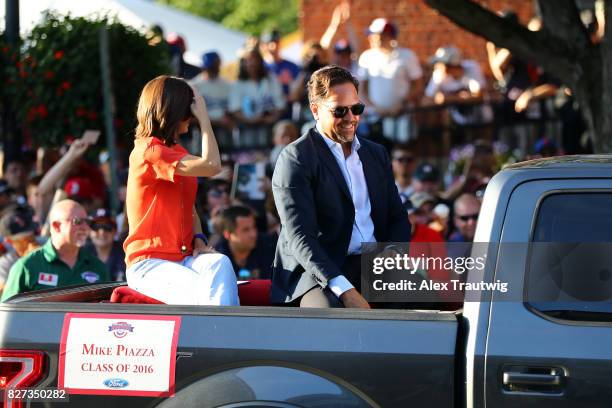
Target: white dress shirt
x,y
363,226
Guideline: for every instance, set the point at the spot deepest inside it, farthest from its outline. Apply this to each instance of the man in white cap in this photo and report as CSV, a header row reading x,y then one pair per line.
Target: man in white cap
x,y
457,82
390,79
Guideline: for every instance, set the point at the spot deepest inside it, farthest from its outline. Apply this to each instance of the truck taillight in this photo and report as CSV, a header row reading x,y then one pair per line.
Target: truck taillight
x,y
19,369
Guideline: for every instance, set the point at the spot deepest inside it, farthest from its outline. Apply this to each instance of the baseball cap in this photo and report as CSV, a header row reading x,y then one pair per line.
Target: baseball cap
x,y
342,46
426,172
176,40
419,198
80,187
382,25
447,55
102,216
270,36
209,59
17,222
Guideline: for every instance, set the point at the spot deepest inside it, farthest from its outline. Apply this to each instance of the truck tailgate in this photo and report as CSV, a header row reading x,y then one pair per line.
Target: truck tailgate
x,y
387,358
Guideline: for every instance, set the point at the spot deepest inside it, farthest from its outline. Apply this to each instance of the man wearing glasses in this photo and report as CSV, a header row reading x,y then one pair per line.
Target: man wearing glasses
x,y
62,260
403,163
466,210
333,192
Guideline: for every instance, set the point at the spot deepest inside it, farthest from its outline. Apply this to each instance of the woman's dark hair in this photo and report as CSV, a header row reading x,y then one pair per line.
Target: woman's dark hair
x,y
164,103
243,73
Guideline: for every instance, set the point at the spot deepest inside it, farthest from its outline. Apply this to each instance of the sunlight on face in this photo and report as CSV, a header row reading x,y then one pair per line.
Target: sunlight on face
x,y
340,130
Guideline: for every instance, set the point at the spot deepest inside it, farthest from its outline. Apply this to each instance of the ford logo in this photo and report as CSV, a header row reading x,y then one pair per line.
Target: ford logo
x,y
116,383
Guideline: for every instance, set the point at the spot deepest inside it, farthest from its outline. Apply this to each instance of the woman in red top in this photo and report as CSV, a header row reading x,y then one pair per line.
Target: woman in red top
x,y
167,255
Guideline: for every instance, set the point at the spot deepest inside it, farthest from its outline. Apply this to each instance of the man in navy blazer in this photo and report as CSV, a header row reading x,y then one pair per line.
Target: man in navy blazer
x,y
333,191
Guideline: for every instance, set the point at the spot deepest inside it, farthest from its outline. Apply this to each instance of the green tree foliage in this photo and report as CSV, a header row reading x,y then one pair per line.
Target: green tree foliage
x,y
249,16
55,85
211,9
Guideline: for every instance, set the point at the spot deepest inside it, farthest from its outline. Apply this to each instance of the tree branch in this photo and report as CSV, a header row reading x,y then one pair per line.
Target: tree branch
x,y
562,18
542,47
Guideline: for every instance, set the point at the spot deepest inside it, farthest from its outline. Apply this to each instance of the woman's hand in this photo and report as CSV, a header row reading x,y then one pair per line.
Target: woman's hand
x,y
199,247
198,106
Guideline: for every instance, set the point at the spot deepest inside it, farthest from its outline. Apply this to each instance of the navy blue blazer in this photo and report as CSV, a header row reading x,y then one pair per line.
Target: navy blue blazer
x,y
317,212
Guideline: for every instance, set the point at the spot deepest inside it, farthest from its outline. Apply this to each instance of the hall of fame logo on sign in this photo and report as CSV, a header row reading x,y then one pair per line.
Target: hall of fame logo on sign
x,y
121,329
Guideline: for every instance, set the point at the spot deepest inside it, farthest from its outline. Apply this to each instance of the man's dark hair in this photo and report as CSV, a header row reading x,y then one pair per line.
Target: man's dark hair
x,y
323,79
229,216
34,180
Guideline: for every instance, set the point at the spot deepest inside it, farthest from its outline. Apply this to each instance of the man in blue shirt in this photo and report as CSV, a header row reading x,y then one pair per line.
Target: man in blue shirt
x,y
284,70
251,254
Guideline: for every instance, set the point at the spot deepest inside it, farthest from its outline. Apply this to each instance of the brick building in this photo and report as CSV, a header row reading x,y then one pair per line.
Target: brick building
x,y
421,28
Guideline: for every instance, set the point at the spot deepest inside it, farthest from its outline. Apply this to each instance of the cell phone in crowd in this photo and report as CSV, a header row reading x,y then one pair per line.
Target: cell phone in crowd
x,y
91,136
248,181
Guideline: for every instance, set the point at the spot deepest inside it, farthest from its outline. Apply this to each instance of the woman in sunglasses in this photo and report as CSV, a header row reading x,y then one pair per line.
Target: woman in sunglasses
x,y
167,256
103,229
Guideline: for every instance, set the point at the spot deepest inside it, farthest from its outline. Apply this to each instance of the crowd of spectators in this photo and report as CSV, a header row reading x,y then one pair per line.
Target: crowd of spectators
x,y
62,197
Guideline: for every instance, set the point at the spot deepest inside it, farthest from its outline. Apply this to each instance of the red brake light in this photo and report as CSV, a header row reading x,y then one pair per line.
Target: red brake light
x,y
20,369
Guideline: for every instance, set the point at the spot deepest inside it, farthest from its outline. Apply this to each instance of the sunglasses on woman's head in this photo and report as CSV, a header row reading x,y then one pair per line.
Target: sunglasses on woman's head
x,y
340,111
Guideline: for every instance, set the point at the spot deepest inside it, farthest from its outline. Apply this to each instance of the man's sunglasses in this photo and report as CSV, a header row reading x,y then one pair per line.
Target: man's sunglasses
x,y
79,221
104,227
340,111
466,218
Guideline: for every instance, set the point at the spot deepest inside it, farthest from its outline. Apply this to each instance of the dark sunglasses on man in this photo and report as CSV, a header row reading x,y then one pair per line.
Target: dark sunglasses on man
x,y
340,111
76,221
466,218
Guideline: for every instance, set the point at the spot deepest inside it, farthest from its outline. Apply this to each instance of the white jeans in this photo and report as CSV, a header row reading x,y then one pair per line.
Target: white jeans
x,y
207,279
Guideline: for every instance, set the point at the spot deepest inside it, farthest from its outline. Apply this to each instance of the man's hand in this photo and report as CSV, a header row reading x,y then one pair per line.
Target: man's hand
x,y
80,146
199,247
523,101
353,299
77,148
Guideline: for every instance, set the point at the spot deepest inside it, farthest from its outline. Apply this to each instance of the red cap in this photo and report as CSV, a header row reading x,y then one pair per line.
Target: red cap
x,y
175,39
80,187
